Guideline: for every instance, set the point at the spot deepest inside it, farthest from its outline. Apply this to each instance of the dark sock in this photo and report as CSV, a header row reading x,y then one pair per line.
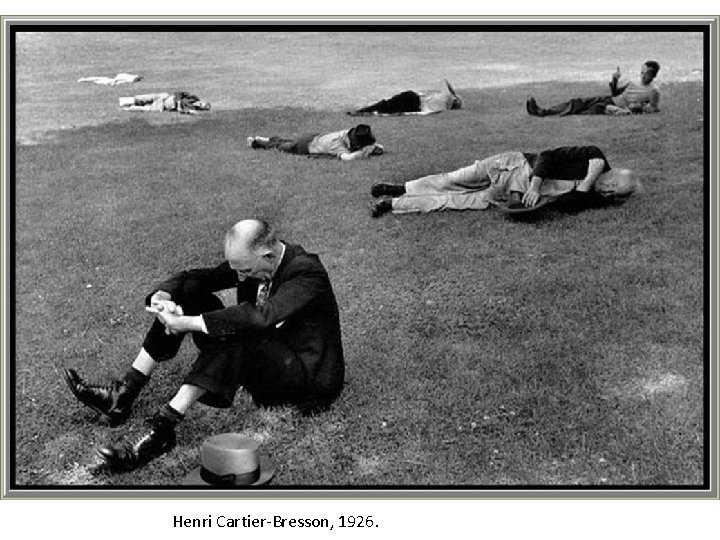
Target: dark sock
x,y
135,379
169,414
394,190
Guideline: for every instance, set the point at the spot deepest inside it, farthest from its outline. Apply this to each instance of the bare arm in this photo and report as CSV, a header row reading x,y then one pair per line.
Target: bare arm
x,y
532,195
365,152
615,88
595,169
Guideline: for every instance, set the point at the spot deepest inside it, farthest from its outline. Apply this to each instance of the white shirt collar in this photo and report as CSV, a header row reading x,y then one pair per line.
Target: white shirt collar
x,y
282,254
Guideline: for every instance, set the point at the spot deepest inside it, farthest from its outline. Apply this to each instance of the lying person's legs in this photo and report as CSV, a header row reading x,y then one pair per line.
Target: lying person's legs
x,y
145,102
457,190
404,102
472,177
591,105
469,200
298,145
270,143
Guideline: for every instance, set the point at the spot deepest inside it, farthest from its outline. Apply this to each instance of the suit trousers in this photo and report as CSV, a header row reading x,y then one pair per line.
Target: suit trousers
x,y
591,105
261,363
299,145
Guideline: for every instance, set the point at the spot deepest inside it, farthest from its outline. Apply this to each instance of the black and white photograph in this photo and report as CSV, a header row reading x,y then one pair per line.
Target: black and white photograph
x,y
450,257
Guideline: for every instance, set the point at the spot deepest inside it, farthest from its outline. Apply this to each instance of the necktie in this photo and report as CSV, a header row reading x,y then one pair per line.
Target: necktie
x,y
262,294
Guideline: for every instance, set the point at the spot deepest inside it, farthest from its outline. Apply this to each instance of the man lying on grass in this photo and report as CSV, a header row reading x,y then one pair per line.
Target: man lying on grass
x,y
281,342
414,103
581,172
349,144
181,102
627,97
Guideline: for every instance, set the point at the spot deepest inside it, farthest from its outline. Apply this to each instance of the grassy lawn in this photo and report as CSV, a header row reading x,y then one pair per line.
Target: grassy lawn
x,y
481,351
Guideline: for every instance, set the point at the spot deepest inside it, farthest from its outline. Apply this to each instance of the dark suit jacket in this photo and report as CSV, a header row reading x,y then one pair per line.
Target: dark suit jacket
x,y
301,312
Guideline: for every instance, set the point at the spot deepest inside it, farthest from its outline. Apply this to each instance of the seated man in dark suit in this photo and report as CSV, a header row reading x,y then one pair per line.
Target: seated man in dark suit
x,y
281,342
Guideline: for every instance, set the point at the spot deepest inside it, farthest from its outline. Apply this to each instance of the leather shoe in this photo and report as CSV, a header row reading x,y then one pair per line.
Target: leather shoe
x,y
532,107
113,401
380,208
381,188
158,440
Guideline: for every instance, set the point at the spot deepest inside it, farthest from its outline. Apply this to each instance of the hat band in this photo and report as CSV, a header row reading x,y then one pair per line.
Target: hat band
x,y
229,479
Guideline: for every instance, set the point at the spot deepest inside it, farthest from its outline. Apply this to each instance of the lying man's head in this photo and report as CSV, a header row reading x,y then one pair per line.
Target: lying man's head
x,y
253,250
617,183
649,71
360,136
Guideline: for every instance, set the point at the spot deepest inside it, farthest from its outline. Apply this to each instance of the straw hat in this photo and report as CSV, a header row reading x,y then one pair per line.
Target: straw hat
x,y
230,460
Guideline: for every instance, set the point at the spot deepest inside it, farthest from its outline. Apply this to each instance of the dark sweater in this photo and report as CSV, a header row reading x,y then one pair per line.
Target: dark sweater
x,y
565,162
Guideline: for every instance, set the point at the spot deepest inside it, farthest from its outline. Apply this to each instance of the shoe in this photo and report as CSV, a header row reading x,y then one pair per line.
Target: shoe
x,y
532,107
158,440
381,188
112,401
380,208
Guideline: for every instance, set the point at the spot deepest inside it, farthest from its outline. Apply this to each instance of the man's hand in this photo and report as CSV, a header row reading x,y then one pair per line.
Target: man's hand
x,y
171,321
161,301
377,150
531,196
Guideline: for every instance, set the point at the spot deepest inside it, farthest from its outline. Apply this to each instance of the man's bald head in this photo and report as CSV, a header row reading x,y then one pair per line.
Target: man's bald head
x,y
252,248
251,234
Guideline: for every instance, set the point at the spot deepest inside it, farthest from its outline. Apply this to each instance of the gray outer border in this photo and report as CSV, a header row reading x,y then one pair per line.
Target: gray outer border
x,y
709,21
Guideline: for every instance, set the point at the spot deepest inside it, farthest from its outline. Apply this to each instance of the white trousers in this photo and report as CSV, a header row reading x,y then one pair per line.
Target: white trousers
x,y
474,187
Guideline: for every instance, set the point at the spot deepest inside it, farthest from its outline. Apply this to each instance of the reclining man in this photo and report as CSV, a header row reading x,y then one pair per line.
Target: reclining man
x,y
627,97
416,103
181,102
581,172
281,342
348,145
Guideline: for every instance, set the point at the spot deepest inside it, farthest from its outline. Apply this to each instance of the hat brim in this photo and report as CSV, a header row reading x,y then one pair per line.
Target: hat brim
x,y
267,471
517,207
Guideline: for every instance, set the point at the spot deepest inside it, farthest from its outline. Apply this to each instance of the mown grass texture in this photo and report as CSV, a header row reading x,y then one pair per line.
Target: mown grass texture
x,y
481,351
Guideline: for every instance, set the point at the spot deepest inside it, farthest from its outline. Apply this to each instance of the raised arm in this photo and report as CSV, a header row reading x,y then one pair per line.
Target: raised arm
x,y
617,88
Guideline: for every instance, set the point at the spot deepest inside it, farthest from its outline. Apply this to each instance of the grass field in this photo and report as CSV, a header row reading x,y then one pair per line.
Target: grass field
x,y
480,351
